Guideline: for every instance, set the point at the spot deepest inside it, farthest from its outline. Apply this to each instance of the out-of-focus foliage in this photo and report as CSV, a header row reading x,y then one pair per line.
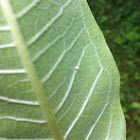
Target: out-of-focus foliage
x,y
120,22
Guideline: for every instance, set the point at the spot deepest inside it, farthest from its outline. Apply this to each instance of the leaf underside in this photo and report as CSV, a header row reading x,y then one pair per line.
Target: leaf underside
x,y
75,68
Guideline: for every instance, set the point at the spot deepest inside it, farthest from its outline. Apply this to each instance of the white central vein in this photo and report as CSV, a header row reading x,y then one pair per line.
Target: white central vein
x,y
84,105
61,57
4,28
18,101
11,45
16,71
32,40
22,119
96,122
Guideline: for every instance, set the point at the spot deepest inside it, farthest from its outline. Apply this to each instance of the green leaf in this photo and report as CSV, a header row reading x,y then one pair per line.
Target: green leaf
x,y
58,79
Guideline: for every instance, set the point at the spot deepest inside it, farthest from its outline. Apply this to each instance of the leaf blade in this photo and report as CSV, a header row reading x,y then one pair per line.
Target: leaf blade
x,y
74,39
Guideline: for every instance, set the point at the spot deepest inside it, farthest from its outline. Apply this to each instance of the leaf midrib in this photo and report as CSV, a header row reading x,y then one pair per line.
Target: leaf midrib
x,y
31,72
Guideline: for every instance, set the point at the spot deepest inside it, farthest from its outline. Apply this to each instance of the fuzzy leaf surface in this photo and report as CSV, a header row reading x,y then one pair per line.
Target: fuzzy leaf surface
x,y
74,66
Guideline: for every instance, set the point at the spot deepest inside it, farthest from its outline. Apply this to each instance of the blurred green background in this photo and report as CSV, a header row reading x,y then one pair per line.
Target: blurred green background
x,y
120,23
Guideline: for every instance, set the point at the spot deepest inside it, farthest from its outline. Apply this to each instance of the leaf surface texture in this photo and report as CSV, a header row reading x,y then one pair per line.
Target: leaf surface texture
x,y
74,66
